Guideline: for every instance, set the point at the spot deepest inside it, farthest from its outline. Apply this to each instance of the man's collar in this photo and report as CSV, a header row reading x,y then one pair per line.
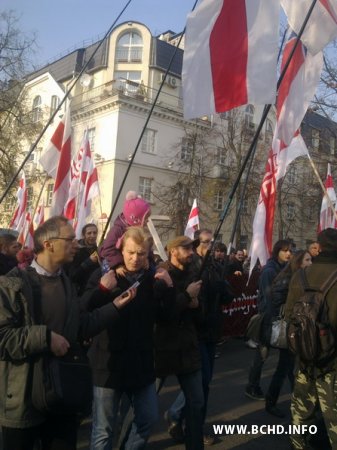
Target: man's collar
x,y
42,271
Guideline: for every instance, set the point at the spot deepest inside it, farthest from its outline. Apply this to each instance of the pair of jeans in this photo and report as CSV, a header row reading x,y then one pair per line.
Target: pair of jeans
x,y
105,416
58,432
189,405
284,368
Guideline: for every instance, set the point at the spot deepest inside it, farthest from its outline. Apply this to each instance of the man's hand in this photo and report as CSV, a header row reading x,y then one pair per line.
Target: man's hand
x,y
94,257
193,289
193,304
58,344
108,280
125,298
162,274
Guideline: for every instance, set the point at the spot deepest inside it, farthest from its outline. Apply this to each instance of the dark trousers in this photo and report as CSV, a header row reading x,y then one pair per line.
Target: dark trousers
x,y
261,354
207,351
284,369
57,433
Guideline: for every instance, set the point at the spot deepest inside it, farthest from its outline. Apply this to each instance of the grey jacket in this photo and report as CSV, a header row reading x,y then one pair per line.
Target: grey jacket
x,y
22,339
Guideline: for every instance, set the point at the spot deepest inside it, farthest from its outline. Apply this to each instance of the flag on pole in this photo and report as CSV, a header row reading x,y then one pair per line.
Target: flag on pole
x,y
88,186
297,88
327,216
26,234
193,221
322,25
39,216
279,158
56,162
230,55
22,199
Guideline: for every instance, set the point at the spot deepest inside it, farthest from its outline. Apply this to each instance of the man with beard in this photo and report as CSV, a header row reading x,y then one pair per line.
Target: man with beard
x,y
176,342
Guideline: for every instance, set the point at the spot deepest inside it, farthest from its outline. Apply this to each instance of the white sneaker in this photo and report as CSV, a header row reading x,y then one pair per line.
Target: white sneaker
x,y
251,344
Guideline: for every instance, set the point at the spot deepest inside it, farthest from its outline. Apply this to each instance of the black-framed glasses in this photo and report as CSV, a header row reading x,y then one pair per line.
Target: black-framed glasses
x,y
68,239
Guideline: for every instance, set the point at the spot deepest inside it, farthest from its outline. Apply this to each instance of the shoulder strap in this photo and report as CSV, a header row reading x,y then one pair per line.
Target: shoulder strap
x,y
327,285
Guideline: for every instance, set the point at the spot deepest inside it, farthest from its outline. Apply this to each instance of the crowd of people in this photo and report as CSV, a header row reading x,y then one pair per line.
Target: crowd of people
x,y
141,319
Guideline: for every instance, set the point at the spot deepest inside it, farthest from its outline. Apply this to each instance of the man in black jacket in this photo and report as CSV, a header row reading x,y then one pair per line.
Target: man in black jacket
x,y
176,342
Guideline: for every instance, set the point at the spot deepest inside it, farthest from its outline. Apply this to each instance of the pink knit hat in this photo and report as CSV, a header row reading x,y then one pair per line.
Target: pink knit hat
x,y
135,209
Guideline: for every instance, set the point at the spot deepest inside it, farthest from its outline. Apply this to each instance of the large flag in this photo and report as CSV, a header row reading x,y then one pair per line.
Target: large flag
x,y
88,187
327,216
297,88
39,216
322,25
193,221
22,199
56,162
230,55
26,233
279,158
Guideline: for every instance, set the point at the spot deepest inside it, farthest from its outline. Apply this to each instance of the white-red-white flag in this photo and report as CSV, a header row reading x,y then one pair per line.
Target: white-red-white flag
x,y
327,216
230,55
39,216
56,162
322,25
22,199
26,234
193,221
297,88
279,158
88,186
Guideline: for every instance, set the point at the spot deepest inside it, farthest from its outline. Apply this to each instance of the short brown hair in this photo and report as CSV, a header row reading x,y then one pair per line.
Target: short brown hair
x,y
49,229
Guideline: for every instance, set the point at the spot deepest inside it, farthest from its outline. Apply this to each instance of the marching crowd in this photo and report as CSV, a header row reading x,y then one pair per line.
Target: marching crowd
x,y
139,319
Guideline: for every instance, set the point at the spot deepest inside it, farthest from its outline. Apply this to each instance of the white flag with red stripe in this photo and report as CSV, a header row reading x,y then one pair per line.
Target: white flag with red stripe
x,y
26,234
327,216
297,88
322,25
193,221
230,55
22,199
88,186
56,162
39,216
279,158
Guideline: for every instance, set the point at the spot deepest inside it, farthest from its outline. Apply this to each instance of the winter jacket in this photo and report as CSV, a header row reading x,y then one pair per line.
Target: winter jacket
x,y
268,273
176,338
80,269
22,339
122,355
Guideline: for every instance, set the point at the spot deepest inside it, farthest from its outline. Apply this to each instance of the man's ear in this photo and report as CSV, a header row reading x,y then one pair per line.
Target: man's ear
x,y
48,245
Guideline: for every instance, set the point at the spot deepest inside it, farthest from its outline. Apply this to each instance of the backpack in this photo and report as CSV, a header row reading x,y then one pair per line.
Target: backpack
x,y
309,334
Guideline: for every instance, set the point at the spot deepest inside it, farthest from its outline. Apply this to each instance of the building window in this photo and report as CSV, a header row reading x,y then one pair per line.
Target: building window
x,y
219,200
243,243
145,188
129,48
290,211
244,206
50,189
332,145
54,103
221,156
91,138
186,150
36,110
312,215
128,81
292,174
315,138
149,141
249,117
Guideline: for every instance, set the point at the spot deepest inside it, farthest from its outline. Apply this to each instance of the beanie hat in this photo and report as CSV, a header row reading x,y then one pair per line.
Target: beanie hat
x,y
135,209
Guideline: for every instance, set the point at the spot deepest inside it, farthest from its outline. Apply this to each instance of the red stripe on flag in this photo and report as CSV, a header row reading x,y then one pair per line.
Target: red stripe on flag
x,y
57,137
193,213
64,164
328,7
229,55
296,62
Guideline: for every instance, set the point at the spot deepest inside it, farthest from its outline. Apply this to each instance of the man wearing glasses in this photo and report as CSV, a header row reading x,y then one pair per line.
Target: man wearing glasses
x,y
39,314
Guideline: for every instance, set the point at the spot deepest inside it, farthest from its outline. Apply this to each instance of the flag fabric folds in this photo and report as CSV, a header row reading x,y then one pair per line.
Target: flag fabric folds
x,y
193,221
279,158
84,186
22,200
327,216
322,25
56,162
230,55
297,88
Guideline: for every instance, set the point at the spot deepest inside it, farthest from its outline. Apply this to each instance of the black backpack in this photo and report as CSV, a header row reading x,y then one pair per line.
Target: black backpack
x,y
310,335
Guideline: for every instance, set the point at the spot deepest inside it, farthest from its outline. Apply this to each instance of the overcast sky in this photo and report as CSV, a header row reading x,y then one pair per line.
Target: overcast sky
x,y
64,24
